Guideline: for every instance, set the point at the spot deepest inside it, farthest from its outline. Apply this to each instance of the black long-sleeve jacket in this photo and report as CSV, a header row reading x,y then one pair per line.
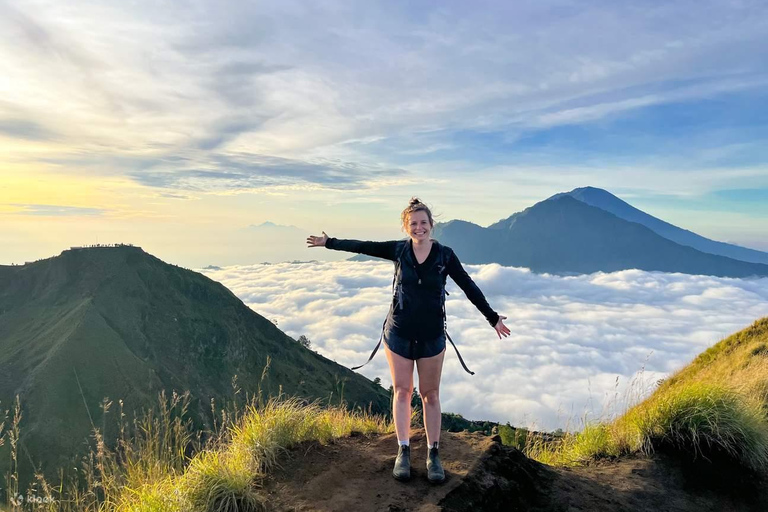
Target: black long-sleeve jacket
x,y
416,311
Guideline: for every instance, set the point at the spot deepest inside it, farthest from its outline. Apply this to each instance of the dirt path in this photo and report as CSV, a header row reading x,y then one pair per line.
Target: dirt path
x,y
354,475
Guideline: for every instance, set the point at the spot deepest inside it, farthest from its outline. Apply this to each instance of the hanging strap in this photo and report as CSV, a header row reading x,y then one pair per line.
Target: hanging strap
x,y
457,353
375,348
445,316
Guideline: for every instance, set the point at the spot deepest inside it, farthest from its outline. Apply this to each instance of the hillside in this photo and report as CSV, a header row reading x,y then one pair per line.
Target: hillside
x,y
120,323
740,361
565,235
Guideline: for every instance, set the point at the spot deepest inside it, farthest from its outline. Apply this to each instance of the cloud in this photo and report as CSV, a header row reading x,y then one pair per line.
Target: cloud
x,y
235,85
595,111
24,129
51,210
174,196
572,337
245,171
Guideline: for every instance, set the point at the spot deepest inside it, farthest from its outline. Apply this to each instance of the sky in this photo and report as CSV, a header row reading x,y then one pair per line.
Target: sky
x,y
223,133
581,348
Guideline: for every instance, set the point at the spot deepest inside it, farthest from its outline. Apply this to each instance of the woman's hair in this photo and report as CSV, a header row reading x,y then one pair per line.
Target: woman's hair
x,y
415,205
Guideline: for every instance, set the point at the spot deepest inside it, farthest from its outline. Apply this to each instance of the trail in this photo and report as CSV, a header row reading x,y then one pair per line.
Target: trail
x,y
354,475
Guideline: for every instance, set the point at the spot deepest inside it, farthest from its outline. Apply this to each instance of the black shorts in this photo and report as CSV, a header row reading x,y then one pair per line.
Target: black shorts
x,y
413,349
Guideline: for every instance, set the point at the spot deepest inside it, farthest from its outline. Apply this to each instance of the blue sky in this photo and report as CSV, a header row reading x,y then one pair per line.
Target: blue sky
x,y
179,126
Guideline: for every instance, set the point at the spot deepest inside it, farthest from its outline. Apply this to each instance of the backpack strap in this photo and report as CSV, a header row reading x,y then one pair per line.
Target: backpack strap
x,y
397,292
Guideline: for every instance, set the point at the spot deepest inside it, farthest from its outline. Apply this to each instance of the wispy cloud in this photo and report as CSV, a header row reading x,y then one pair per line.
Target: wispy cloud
x,y
293,81
249,171
54,210
24,129
571,336
595,111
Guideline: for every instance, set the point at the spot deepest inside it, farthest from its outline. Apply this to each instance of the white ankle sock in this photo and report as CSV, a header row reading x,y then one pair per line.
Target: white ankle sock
x,y
407,442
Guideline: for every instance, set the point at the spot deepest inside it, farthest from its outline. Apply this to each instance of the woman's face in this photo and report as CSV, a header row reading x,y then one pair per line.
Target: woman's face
x,y
418,226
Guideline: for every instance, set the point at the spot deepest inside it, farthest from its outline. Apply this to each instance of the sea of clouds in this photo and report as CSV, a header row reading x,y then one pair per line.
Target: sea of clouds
x,y
581,347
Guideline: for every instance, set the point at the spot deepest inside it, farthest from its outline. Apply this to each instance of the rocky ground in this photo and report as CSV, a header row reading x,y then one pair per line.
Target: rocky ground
x,y
354,475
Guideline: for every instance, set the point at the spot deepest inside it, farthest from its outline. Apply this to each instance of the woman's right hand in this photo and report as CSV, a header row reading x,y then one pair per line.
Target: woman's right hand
x,y
317,241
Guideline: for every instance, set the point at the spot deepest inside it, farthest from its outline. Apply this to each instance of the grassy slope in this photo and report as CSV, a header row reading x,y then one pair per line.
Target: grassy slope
x,y
125,325
717,405
739,361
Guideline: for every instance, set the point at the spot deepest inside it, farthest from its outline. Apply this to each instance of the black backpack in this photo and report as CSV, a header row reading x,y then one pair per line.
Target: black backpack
x,y
397,297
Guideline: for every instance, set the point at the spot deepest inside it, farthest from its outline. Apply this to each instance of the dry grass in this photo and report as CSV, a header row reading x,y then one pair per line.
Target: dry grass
x,y
717,404
160,464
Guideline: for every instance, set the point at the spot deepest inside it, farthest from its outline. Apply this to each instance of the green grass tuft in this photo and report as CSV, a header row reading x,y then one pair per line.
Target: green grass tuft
x,y
718,405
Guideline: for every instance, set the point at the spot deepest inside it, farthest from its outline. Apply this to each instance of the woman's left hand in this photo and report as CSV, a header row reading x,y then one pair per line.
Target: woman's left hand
x,y
501,329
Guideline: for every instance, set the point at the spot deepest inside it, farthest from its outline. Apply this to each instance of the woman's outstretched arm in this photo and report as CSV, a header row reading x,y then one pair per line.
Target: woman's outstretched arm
x,y
473,293
384,250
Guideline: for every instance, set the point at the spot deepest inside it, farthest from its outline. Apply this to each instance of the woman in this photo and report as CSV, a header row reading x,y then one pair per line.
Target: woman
x,y
414,329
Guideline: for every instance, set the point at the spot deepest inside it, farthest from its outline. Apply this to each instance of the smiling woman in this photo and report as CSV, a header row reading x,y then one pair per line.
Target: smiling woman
x,y
414,330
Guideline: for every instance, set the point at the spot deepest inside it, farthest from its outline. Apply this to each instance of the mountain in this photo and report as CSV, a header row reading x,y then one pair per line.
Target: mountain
x,y
606,201
566,235
269,226
118,322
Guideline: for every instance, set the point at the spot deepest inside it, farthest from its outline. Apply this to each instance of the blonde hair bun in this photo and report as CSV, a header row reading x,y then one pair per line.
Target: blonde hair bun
x,y
415,205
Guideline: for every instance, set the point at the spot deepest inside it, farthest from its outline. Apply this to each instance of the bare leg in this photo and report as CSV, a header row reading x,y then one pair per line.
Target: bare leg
x,y
430,369
401,370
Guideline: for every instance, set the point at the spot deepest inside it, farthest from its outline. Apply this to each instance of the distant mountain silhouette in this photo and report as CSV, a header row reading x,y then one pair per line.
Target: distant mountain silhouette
x,y
120,323
606,201
566,235
269,226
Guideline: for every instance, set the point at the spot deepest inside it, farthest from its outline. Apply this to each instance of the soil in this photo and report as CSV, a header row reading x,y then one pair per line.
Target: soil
x,y
355,475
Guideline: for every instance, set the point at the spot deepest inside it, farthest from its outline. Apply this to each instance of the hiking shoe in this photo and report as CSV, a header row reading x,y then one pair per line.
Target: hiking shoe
x,y
435,473
402,469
